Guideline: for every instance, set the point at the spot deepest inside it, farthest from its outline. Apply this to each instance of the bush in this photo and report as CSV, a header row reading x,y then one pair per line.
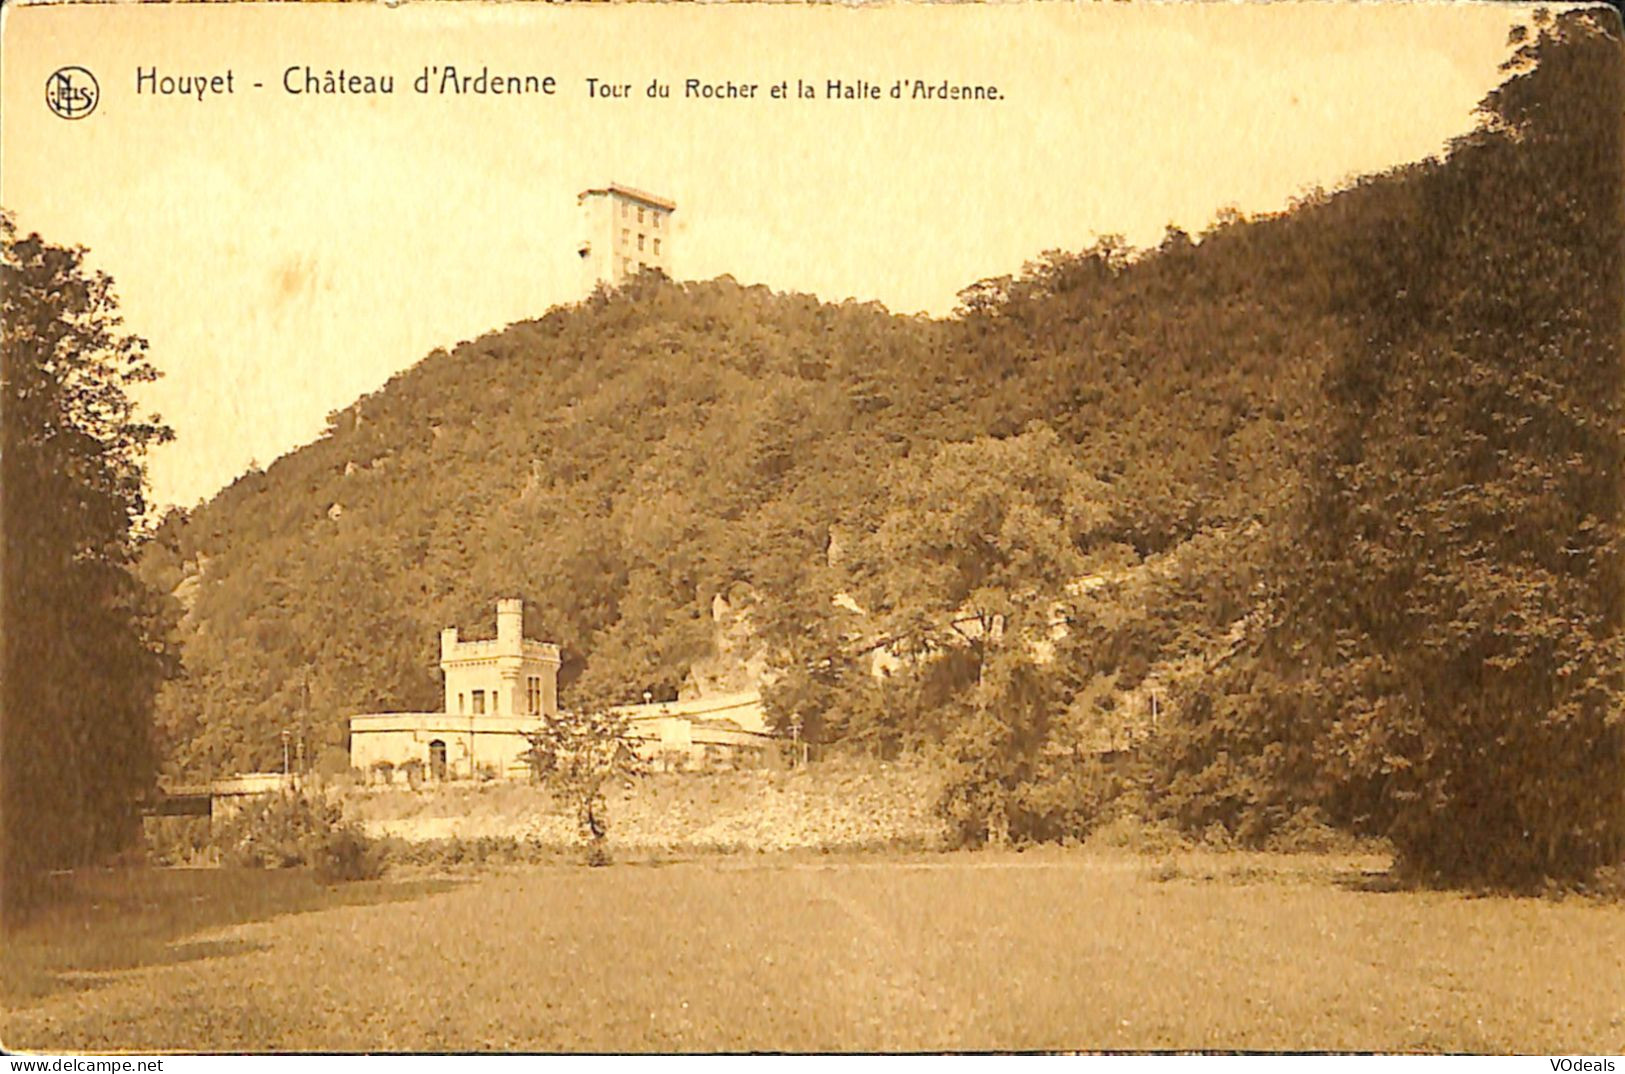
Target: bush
x,y
1058,799
454,852
413,771
1134,833
384,771
333,761
346,853
177,840
292,830
1309,832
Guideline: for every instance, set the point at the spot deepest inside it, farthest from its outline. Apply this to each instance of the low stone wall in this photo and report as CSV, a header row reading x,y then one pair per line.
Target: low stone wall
x,y
828,805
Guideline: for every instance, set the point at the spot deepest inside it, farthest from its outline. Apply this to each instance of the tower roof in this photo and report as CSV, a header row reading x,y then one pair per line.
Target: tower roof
x,y
633,194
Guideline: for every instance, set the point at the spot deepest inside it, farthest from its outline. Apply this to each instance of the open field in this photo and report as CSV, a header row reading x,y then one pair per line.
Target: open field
x,y
1050,950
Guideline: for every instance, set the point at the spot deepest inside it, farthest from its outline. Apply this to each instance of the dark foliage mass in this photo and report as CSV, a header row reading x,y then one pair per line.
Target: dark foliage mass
x,y
82,655
1440,657
1331,494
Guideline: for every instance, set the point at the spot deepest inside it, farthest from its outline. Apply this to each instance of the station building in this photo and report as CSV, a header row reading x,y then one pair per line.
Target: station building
x,y
498,689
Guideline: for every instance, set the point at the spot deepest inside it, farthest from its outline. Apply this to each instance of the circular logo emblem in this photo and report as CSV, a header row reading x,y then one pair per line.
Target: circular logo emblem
x,y
72,92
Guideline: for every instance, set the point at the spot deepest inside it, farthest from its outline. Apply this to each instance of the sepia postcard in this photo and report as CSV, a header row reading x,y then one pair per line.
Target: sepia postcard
x,y
812,528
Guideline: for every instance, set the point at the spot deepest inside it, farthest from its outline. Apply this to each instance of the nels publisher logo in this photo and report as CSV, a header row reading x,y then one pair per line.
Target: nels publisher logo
x,y
72,92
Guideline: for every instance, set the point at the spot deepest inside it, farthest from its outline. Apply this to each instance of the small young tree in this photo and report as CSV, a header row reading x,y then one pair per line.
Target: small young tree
x,y
575,755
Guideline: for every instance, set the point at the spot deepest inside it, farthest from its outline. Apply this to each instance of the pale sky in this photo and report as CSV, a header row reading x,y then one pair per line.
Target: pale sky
x,y
285,254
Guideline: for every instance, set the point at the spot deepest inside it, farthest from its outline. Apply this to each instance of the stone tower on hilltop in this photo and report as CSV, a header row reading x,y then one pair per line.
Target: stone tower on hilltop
x,y
623,231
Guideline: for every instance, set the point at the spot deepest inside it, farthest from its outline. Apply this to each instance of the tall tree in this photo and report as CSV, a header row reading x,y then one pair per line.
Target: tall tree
x,y
1444,662
82,651
964,575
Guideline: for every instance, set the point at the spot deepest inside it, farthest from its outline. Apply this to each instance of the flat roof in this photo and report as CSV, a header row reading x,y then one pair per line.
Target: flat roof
x,y
634,194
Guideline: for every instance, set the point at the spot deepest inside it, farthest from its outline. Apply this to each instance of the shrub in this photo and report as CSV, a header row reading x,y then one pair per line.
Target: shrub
x,y
1128,831
1309,832
293,830
346,853
454,852
413,771
384,771
177,840
333,761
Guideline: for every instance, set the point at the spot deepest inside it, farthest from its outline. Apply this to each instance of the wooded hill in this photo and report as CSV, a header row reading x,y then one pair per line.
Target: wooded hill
x,y
1168,417
621,462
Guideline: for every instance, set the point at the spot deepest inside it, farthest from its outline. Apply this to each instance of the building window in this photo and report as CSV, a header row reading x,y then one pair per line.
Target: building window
x,y
640,214
494,705
623,208
626,235
461,706
657,246
657,221
642,265
640,240
479,702
533,694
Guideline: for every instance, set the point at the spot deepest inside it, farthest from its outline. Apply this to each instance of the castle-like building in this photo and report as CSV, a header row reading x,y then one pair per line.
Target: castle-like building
x,y
623,232
508,674
498,689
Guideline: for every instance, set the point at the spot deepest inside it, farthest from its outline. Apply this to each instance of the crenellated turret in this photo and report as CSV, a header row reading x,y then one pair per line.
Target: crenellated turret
x,y
508,676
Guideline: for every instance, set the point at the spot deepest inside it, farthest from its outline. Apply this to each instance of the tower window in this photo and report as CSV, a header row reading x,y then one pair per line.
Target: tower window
x,y
640,214
640,241
626,235
657,221
479,702
657,246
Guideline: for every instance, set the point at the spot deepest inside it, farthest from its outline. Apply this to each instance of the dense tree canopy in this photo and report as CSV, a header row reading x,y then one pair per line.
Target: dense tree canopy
x,y
1441,661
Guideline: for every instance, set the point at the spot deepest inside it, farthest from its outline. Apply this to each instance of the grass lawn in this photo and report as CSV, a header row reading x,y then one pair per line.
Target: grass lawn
x,y
1053,950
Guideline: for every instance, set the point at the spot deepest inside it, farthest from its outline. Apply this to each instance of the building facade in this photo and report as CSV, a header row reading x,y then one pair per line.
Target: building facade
x,y
498,689
624,231
495,689
507,675
701,732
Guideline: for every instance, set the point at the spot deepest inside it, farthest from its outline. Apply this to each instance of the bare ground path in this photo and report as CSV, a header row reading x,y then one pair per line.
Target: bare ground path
x,y
945,952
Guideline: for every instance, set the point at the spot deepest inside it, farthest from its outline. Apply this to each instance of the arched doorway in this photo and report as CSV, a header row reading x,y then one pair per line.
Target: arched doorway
x,y
437,759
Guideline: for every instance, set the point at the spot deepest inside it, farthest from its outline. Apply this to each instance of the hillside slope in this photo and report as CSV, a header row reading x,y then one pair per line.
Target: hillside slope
x,y
621,462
